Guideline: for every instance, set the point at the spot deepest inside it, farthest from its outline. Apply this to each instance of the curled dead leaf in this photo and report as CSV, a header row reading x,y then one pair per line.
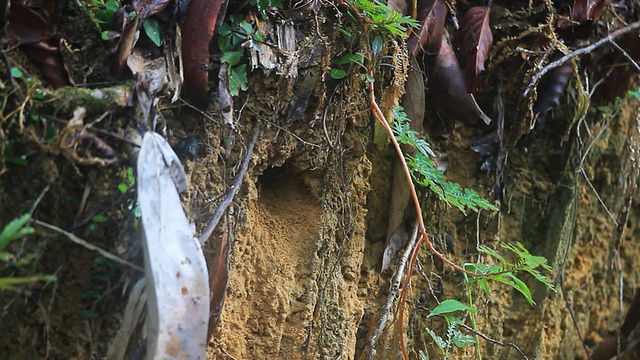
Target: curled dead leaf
x,y
31,28
477,38
578,16
552,86
431,16
447,89
146,8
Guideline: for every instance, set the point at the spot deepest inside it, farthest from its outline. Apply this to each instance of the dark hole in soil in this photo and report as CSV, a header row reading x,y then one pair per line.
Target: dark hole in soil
x,y
273,177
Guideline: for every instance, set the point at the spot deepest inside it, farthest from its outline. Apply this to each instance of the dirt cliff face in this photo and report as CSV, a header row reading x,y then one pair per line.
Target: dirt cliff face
x,y
308,226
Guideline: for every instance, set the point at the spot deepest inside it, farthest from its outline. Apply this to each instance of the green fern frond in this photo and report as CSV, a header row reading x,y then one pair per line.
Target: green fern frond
x,y
426,174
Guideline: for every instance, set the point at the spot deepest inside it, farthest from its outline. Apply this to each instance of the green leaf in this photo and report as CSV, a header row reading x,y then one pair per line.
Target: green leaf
x,y
248,28
489,251
370,78
423,355
441,343
338,73
376,45
231,57
112,6
224,30
123,187
15,230
99,218
462,340
513,281
9,283
357,58
130,177
237,79
16,73
152,29
449,306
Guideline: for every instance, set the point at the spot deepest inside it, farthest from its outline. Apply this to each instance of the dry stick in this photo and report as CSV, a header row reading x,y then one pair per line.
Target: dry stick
x,y
234,188
494,341
88,245
609,38
395,286
573,316
626,55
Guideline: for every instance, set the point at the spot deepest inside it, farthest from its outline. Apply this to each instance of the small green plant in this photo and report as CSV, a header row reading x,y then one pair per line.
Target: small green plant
x,y
610,110
124,186
129,181
104,12
505,272
361,61
233,37
425,173
378,16
15,230
446,309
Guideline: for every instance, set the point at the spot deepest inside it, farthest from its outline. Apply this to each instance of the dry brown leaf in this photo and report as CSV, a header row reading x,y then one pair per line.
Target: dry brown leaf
x,y
447,89
431,16
477,38
197,31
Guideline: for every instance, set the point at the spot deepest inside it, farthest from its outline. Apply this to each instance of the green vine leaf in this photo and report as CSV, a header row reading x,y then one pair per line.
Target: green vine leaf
x,y
449,306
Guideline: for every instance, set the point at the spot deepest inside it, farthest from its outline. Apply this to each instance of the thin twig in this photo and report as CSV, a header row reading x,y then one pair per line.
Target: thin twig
x,y
395,286
292,134
581,51
233,190
494,341
573,316
88,245
626,55
35,204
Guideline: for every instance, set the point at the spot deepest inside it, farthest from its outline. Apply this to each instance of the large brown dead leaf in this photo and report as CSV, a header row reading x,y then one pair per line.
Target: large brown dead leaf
x,y
28,25
477,38
431,16
197,31
31,28
447,89
578,17
146,8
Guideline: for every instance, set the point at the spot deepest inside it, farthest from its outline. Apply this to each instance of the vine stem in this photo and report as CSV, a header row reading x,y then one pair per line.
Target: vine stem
x,y
380,118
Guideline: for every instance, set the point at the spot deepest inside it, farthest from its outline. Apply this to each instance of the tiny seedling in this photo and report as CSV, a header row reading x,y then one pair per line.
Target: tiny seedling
x,y
15,230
